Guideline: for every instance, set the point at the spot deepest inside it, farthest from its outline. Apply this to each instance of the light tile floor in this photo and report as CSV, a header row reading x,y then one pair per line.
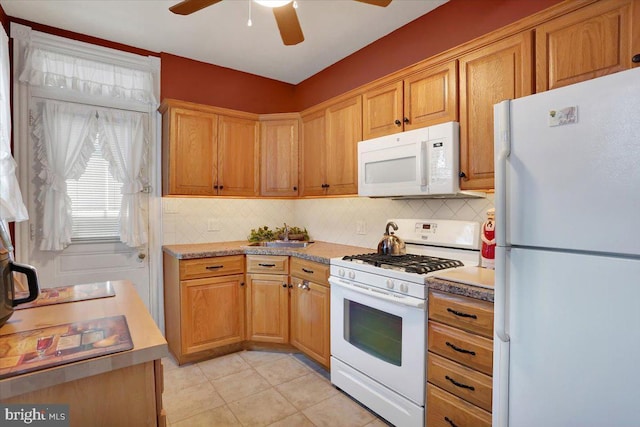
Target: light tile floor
x,y
258,388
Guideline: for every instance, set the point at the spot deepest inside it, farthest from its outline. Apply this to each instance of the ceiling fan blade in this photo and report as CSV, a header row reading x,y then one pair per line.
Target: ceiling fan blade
x,y
381,3
187,7
288,24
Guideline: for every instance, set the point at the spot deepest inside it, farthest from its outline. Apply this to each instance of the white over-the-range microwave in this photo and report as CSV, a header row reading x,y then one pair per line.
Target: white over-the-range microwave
x,y
417,163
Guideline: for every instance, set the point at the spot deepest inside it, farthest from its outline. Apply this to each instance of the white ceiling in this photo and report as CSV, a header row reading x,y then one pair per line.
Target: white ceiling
x,y
218,34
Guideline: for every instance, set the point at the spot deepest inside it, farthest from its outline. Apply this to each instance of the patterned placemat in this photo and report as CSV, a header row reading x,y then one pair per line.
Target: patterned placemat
x,y
63,294
44,348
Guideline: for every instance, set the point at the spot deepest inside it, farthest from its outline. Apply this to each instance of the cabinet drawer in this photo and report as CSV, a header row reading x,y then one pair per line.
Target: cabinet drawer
x,y
210,267
462,312
464,382
270,264
468,349
311,271
446,410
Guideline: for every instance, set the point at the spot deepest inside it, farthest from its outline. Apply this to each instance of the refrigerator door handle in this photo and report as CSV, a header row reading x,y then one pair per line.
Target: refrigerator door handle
x,y
502,143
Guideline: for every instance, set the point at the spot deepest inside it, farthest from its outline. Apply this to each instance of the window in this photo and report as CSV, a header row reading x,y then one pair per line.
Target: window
x,y
95,201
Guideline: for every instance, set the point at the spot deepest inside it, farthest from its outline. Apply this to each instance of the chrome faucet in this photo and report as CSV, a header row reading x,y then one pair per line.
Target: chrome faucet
x,y
286,232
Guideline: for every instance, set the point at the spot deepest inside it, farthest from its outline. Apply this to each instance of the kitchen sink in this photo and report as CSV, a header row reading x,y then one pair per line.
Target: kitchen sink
x,y
282,244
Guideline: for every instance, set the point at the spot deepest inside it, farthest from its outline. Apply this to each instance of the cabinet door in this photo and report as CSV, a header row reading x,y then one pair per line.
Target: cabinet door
x,y
431,97
344,130
279,148
588,43
382,111
189,152
499,71
313,155
310,319
204,327
238,153
267,308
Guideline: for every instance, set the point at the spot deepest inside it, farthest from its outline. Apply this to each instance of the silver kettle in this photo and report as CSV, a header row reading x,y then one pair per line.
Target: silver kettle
x,y
7,291
390,244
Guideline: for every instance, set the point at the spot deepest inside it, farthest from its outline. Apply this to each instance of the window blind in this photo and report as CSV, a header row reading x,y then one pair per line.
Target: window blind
x,y
95,201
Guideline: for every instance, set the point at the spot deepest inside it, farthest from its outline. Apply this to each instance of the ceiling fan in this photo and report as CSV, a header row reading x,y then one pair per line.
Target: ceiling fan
x,y
283,10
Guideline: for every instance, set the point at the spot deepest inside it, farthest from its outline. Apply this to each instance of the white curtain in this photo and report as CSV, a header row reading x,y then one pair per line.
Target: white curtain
x,y
64,133
47,68
123,141
12,207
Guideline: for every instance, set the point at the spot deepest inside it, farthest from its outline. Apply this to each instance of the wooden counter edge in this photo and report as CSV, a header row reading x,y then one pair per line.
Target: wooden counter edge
x,y
148,342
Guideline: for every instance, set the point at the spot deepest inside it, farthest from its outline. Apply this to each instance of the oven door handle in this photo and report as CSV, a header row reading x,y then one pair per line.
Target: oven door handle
x,y
407,301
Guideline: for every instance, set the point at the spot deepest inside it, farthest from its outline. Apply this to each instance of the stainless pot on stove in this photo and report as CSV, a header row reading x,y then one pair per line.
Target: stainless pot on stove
x,y
390,244
7,285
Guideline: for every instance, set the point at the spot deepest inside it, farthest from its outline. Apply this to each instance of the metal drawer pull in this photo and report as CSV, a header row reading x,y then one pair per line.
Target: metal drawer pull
x,y
214,267
450,422
457,384
266,265
304,286
460,350
306,270
461,314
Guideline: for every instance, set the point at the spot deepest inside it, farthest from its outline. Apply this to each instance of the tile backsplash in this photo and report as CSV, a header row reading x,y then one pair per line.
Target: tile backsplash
x,y
355,221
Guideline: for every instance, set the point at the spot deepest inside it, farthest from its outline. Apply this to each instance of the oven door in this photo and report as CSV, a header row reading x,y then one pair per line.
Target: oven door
x,y
381,335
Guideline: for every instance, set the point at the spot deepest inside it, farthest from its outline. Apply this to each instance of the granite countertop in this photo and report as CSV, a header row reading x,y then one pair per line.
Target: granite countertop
x,y
318,251
474,282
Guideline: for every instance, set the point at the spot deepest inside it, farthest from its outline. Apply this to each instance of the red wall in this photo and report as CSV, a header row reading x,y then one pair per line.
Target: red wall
x,y
204,83
451,24
4,19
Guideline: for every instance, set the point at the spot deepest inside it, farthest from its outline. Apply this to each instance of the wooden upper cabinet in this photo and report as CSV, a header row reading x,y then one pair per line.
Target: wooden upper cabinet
x,y
313,154
279,157
422,99
431,96
189,151
590,42
382,110
343,132
501,70
239,156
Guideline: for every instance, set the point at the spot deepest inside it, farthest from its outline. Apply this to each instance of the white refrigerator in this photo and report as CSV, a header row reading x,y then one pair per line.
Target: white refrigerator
x,y
567,292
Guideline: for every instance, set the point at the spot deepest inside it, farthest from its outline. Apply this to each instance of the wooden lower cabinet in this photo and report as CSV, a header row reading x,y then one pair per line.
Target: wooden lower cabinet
x,y
459,361
310,319
127,397
204,303
267,308
213,312
446,410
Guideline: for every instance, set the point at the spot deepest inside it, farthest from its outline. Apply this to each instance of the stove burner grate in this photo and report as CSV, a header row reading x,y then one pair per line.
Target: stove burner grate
x,y
419,264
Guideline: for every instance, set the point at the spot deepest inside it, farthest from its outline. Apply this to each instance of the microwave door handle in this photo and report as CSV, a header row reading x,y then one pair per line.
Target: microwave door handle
x,y
423,164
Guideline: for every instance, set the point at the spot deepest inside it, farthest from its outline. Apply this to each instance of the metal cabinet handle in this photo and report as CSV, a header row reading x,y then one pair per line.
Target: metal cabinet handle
x,y
461,314
304,286
636,58
306,270
451,423
284,285
397,122
460,350
213,267
266,265
457,384
406,120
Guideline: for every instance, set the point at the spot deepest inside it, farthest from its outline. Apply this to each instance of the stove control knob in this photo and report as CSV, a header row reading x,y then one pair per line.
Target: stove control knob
x,y
341,272
352,275
390,284
404,287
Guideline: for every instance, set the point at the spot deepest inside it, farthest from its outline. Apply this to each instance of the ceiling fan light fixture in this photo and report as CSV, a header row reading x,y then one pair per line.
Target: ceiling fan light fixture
x,y
273,3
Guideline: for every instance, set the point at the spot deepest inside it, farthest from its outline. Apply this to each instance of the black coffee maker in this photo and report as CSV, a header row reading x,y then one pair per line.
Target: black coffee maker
x,y
7,285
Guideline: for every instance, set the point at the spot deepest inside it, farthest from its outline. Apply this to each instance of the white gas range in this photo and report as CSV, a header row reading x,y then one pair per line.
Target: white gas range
x,y
378,315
